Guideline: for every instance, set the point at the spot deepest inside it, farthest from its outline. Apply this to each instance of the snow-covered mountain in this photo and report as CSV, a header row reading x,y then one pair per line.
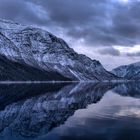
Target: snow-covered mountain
x,y
41,50
130,72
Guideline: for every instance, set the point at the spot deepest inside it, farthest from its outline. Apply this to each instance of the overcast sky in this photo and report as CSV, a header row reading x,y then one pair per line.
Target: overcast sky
x,y
107,30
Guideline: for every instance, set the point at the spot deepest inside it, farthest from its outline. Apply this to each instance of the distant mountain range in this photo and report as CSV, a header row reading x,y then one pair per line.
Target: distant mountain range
x,y
130,72
29,53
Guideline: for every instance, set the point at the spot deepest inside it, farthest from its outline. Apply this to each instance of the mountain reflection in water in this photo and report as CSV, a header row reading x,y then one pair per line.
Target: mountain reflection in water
x,y
101,111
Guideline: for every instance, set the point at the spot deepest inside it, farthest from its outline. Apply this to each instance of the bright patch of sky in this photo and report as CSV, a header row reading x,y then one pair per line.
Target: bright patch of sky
x,y
125,49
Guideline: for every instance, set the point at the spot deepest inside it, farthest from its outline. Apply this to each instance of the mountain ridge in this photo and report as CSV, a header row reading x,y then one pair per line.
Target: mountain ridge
x,y
129,72
42,50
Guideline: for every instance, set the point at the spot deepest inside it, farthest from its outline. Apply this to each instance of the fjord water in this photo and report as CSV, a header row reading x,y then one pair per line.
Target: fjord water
x,y
96,111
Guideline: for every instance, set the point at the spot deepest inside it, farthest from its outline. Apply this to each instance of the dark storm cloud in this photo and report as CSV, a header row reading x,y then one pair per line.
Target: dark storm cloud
x,y
98,22
109,51
68,12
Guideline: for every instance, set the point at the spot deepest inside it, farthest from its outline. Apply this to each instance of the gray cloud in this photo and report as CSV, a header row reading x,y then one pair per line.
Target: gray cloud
x,y
137,54
109,51
22,11
98,23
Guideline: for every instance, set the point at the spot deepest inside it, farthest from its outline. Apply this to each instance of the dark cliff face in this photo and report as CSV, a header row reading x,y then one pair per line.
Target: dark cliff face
x,y
14,71
130,72
41,50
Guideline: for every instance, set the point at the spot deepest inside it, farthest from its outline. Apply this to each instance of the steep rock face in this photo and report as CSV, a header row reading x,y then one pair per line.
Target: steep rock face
x,y
130,72
42,50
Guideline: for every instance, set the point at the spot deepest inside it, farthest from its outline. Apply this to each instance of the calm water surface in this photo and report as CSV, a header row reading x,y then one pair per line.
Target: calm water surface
x,y
79,111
